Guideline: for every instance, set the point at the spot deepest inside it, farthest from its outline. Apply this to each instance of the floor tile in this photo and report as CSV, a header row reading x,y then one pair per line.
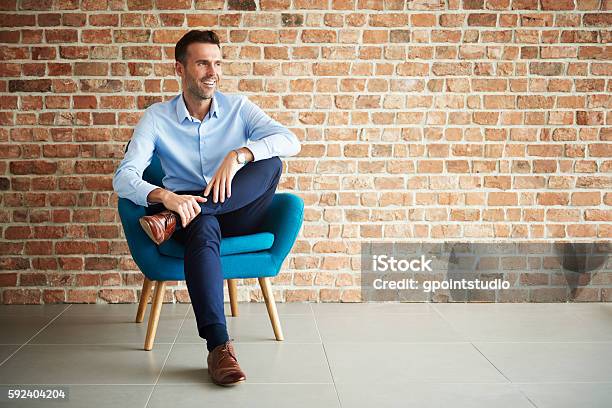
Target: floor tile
x,y
373,308
245,395
594,312
33,310
431,395
109,364
260,308
168,309
256,327
395,363
551,362
17,329
276,362
6,351
568,395
95,396
515,322
106,329
386,328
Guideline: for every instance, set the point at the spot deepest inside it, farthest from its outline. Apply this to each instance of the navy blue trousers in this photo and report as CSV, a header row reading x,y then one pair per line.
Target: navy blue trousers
x,y
253,188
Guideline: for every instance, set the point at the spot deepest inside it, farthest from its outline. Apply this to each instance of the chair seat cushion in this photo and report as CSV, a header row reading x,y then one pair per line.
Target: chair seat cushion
x,y
229,246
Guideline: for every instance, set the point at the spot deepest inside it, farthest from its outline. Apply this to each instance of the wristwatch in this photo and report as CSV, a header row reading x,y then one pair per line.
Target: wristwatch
x,y
240,157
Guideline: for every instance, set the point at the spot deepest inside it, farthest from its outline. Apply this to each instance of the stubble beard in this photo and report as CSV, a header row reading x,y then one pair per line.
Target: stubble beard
x,y
196,91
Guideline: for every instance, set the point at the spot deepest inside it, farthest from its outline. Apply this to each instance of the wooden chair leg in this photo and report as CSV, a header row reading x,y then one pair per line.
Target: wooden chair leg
x,y
266,289
144,299
158,300
233,295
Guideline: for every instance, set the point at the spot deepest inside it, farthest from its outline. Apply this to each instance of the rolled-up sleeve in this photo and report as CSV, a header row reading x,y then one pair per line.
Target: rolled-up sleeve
x,y
267,137
127,181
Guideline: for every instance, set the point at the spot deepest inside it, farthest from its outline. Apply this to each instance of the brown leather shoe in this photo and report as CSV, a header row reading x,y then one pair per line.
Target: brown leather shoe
x,y
159,227
223,366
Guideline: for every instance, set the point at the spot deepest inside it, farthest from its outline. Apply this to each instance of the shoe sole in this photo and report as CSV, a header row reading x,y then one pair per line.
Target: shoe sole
x,y
225,385
147,229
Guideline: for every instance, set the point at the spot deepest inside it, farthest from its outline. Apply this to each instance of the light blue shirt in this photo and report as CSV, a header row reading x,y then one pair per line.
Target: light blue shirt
x,y
190,150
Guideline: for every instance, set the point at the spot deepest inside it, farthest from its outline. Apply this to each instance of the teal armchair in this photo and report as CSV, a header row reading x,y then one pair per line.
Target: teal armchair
x,y
259,255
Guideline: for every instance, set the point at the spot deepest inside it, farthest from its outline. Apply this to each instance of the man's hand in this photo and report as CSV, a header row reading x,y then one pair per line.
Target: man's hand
x,y
187,206
221,183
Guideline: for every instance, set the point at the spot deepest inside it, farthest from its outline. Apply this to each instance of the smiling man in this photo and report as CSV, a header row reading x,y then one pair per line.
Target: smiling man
x,y
220,155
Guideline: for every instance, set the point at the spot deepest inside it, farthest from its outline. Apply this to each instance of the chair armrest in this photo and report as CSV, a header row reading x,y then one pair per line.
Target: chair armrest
x,y
284,219
144,253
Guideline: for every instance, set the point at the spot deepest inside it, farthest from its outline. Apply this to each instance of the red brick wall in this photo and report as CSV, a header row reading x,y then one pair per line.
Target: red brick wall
x,y
420,120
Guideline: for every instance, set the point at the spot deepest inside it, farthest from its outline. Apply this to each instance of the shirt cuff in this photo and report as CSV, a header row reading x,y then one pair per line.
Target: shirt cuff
x,y
259,148
143,193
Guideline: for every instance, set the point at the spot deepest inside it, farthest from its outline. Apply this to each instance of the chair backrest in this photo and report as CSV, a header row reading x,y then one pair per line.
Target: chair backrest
x,y
154,173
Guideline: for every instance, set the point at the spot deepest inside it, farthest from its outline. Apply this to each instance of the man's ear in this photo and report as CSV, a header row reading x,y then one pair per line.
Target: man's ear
x,y
178,67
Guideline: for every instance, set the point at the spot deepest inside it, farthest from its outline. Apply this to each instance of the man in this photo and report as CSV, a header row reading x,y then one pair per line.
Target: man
x,y
220,155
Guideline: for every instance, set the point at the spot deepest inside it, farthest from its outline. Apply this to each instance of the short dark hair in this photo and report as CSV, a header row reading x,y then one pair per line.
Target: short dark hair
x,y
194,36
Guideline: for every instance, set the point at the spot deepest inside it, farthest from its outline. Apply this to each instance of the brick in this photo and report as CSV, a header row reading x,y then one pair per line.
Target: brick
x,y
558,5
21,296
100,85
103,20
173,4
473,4
74,19
482,19
524,4
90,68
32,167
318,36
331,68
275,4
130,36
43,53
423,20
81,296
552,198
502,199
141,53
34,85
310,4
17,20
597,20
413,69
388,20
600,150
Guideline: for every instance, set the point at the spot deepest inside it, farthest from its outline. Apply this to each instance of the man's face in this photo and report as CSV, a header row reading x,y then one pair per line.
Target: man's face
x,y
201,72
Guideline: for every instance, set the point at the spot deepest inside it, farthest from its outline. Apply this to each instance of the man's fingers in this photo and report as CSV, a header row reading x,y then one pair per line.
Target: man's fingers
x,y
210,187
185,212
222,188
196,206
189,205
183,220
228,187
188,213
216,191
200,199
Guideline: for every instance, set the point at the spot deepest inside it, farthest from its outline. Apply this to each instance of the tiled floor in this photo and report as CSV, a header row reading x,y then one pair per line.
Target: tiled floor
x,y
334,355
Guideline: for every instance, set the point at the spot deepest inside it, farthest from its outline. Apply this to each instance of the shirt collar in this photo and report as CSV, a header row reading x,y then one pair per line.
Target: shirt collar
x,y
182,113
